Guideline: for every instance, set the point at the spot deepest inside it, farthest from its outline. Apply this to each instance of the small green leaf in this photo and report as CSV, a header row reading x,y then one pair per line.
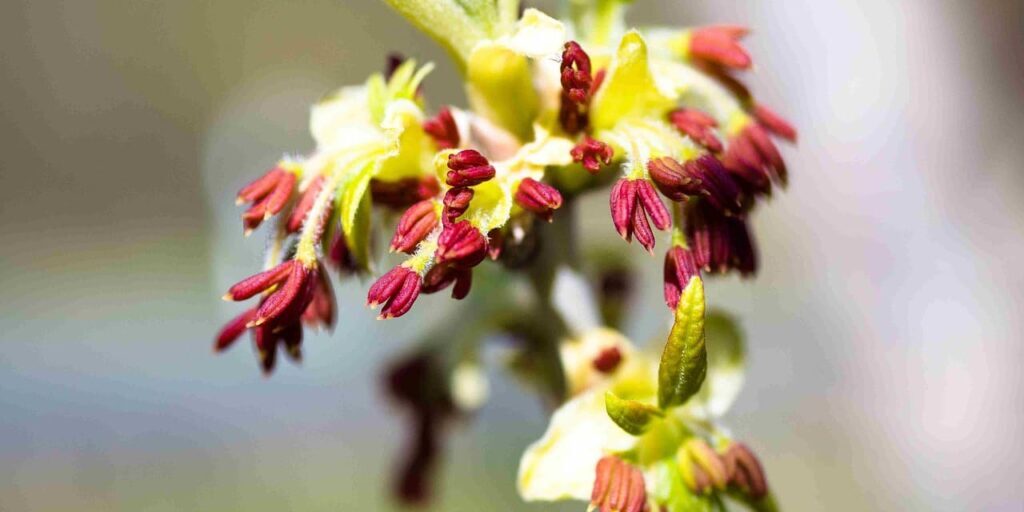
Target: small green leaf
x,y
354,210
684,360
632,416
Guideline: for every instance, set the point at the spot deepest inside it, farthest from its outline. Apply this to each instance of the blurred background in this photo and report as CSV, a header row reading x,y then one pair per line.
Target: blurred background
x,y
885,327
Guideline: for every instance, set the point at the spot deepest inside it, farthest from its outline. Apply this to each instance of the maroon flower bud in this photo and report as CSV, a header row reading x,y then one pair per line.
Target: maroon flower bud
x,y
403,192
753,157
321,309
233,329
442,129
618,486
720,45
719,242
396,291
680,266
744,471
592,153
416,223
632,202
608,360
462,245
456,201
268,195
291,289
441,276
298,215
468,168
774,123
539,198
705,176
577,84
698,126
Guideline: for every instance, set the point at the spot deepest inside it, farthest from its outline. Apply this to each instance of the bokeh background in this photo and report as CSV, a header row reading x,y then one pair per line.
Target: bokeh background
x,y
885,327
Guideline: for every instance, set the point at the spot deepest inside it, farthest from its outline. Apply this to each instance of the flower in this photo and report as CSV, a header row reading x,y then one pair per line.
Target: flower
x,y
396,291
704,176
268,194
632,201
416,223
539,198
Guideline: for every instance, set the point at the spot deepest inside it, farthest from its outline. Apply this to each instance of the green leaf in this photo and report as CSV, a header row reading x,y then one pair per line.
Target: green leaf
x,y
632,416
684,360
458,25
354,206
726,362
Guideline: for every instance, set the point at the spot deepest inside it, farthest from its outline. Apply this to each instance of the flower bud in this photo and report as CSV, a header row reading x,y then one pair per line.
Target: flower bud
x,y
680,266
618,486
704,176
745,471
462,245
416,223
232,330
468,168
456,201
702,468
396,291
268,195
592,154
291,288
298,215
632,201
539,198
719,45
719,243
698,126
442,129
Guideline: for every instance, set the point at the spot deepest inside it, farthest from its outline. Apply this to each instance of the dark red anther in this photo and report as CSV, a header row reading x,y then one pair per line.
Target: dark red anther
x,y
719,242
577,84
442,276
720,45
416,223
321,311
632,202
442,129
462,245
704,176
753,157
396,291
456,201
618,486
298,215
774,123
698,126
540,198
592,153
468,168
290,298
233,329
608,360
268,194
680,267
745,472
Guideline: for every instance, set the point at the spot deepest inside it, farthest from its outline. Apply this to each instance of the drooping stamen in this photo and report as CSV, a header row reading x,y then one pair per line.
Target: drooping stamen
x,y
416,223
704,176
618,486
462,245
396,291
592,153
719,242
719,45
468,168
632,201
268,194
698,126
540,198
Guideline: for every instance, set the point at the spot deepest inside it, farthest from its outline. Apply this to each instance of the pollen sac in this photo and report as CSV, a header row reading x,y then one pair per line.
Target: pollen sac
x,y
396,291
539,198
301,210
233,330
592,154
698,126
404,192
456,201
268,194
702,468
468,168
719,45
754,159
577,84
416,223
720,243
680,266
462,245
442,129
632,201
618,486
744,471
291,289
704,176
774,123
442,276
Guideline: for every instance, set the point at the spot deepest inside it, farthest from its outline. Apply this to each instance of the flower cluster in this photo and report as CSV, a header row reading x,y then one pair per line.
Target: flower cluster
x,y
556,110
